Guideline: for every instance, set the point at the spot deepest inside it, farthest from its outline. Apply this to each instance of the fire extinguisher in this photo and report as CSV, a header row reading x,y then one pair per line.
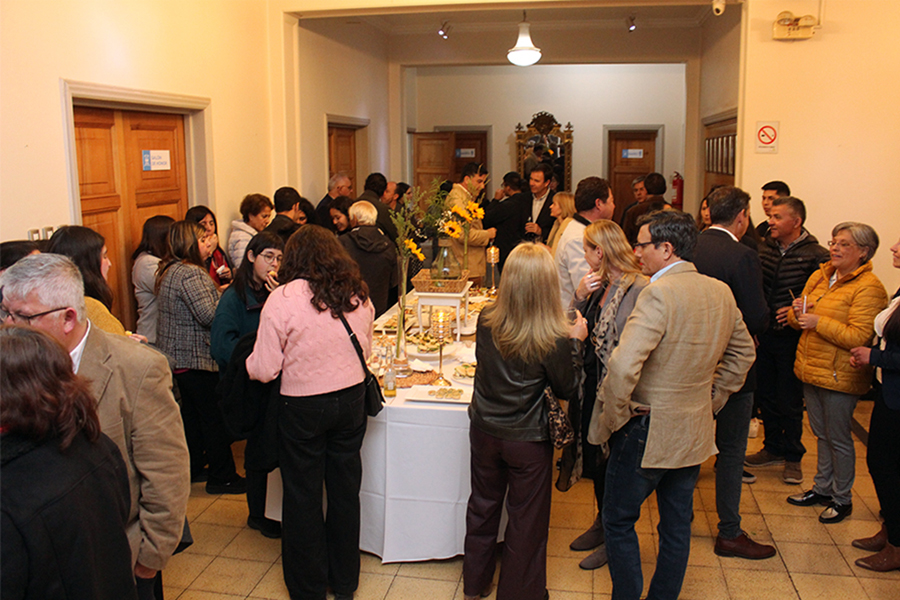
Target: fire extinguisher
x,y
678,185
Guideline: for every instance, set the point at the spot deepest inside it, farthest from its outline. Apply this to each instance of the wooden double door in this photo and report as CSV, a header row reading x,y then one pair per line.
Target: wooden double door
x,y
442,155
120,189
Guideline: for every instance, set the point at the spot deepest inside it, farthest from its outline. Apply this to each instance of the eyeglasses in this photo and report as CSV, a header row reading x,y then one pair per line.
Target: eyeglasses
x,y
640,245
5,313
271,257
841,245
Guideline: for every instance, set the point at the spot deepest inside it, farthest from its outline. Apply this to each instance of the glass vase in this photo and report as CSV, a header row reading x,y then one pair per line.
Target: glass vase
x,y
401,360
445,265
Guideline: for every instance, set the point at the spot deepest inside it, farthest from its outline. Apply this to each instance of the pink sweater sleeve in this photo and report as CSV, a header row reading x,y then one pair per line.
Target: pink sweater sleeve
x,y
267,359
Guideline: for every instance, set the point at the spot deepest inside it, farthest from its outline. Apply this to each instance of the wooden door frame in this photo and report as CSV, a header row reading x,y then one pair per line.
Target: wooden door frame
x,y
363,164
660,143
197,133
488,130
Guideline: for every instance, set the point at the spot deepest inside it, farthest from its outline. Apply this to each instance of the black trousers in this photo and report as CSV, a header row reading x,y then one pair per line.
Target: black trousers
x,y
779,395
520,473
207,438
320,441
883,459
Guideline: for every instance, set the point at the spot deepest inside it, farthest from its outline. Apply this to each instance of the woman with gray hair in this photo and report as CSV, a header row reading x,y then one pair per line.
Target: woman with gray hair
x,y
836,313
374,252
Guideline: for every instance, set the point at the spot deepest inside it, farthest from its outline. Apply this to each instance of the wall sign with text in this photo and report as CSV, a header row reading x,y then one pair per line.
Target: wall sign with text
x,y
156,160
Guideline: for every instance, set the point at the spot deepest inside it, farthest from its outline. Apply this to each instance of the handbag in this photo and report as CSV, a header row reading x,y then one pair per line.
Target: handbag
x,y
374,399
561,432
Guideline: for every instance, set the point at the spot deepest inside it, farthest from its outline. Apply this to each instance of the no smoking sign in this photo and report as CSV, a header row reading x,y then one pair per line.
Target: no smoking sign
x,y
767,137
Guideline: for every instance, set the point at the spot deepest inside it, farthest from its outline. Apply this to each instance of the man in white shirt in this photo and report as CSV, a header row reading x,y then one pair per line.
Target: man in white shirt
x,y
593,201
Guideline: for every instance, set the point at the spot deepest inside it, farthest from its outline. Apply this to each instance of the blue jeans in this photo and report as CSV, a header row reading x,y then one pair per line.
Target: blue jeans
x,y
732,424
627,486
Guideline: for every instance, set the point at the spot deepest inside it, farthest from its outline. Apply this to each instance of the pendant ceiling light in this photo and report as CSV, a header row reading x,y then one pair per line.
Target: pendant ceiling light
x,y
524,54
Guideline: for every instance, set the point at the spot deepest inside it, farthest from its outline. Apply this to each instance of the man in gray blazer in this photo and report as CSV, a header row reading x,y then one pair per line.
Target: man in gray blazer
x,y
132,384
683,352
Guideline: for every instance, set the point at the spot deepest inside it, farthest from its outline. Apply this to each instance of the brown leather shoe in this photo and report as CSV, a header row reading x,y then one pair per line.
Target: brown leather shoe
x,y
743,547
886,560
875,543
484,594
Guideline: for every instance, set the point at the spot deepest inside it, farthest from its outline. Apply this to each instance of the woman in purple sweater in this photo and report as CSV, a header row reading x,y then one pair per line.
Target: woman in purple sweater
x,y
323,418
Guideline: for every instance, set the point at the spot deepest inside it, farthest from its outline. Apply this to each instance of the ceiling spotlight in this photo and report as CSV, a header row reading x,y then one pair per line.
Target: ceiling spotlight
x,y
631,24
444,31
524,54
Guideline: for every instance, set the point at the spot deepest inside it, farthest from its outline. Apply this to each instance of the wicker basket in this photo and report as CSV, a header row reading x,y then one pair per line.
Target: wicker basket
x,y
424,284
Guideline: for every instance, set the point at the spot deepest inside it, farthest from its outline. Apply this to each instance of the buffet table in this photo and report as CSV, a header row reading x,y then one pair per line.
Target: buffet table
x,y
415,482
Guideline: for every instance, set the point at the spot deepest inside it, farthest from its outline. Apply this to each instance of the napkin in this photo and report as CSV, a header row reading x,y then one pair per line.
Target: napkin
x,y
420,366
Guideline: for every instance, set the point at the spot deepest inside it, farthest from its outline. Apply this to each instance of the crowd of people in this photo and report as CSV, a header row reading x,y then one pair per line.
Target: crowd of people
x,y
665,333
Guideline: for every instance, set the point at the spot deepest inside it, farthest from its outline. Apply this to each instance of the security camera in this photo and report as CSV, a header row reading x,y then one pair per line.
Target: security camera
x,y
718,7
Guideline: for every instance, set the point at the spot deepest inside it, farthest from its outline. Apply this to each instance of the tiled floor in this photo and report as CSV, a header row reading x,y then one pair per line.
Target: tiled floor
x,y
814,561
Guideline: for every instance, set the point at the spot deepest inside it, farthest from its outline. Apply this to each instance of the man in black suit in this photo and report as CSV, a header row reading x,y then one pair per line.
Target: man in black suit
x,y
287,207
538,220
373,190
338,185
720,255
505,214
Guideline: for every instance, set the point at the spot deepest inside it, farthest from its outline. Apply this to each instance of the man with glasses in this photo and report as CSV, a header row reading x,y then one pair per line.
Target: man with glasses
x,y
683,352
133,387
789,255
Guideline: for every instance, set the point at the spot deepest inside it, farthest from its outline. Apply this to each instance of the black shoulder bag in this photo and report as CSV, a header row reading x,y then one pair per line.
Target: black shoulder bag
x,y
374,399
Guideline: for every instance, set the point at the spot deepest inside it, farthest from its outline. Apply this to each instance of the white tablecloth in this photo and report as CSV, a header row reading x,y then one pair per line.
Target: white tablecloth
x,y
415,483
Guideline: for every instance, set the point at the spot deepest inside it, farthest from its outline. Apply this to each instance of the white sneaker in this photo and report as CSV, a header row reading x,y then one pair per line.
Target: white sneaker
x,y
754,428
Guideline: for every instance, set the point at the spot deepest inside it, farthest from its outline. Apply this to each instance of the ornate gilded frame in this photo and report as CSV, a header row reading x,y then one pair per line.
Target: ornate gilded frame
x,y
545,128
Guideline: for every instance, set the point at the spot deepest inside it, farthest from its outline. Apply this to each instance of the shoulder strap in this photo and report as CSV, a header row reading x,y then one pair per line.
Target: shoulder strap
x,y
355,341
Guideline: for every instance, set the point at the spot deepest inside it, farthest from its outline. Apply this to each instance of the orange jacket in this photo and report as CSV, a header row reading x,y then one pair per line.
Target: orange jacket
x,y
847,312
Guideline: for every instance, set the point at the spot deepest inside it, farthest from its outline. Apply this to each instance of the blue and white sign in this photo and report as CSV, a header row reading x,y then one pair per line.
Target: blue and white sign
x,y
632,153
156,160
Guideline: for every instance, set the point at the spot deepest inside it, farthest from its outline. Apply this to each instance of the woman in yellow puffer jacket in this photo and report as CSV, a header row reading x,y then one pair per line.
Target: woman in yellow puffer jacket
x,y
836,313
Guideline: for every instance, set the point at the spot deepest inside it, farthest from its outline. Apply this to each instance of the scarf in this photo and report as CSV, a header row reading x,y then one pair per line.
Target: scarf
x,y
605,336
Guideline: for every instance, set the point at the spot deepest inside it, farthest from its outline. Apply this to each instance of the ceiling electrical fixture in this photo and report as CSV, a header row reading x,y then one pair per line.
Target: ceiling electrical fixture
x,y
631,24
444,31
524,54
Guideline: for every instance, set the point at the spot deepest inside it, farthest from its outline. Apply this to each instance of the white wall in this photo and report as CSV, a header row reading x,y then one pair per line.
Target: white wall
x,y
343,71
209,48
720,63
836,99
588,96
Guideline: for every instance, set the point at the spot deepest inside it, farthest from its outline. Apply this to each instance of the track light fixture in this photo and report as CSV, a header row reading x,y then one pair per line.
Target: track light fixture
x,y
631,24
524,54
444,31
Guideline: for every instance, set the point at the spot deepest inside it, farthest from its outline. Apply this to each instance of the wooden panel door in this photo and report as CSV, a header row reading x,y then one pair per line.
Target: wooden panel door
x,y
342,153
433,157
720,142
470,146
117,195
631,154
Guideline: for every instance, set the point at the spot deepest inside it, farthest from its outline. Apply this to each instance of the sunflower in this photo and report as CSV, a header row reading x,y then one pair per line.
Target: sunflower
x,y
413,249
475,210
461,212
453,229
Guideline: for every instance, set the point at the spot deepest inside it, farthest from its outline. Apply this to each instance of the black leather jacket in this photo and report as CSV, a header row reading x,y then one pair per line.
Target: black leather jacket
x,y
508,401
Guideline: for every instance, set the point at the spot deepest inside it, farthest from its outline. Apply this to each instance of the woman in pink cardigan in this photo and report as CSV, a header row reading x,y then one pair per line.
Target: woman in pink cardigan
x,y
322,419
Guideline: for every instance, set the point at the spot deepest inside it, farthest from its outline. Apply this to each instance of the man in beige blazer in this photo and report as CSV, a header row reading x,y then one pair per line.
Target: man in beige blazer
x,y
684,350
474,177
133,387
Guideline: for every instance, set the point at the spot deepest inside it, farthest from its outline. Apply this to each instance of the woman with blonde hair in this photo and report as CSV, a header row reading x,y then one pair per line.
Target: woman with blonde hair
x,y
563,209
524,343
606,296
